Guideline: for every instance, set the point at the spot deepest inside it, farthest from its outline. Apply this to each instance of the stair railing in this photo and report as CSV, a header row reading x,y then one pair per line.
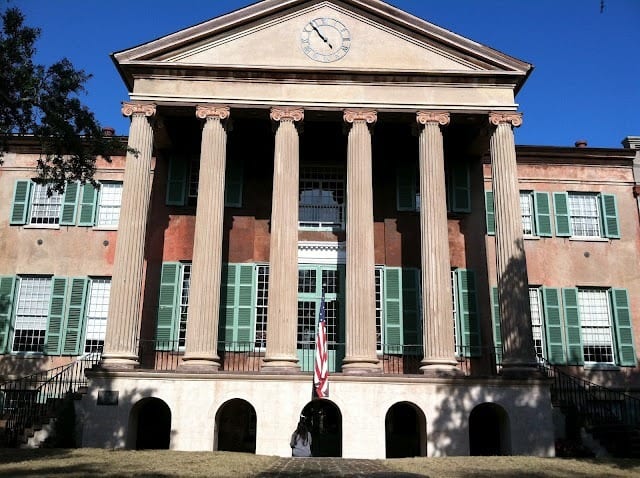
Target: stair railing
x,y
28,401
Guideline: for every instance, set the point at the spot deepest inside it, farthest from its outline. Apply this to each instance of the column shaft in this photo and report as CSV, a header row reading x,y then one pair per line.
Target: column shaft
x,y
204,294
282,314
125,304
511,265
439,353
361,356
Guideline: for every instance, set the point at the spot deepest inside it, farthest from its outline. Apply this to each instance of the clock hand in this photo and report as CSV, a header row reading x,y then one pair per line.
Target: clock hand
x,y
324,39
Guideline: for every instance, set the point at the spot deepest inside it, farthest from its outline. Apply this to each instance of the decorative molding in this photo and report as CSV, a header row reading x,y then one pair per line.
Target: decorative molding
x,y
292,113
515,119
146,109
441,117
369,116
310,252
220,112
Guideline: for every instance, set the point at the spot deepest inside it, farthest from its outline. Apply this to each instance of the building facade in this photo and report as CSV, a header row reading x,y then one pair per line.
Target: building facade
x,y
341,154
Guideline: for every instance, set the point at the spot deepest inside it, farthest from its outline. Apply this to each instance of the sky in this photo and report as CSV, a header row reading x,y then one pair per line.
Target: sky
x,y
585,85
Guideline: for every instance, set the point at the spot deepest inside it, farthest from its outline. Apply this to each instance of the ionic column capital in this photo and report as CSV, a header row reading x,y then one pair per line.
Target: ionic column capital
x,y
291,113
354,115
512,118
220,112
138,109
441,117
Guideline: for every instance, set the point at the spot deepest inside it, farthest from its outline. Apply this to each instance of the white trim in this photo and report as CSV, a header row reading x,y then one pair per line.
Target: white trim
x,y
316,252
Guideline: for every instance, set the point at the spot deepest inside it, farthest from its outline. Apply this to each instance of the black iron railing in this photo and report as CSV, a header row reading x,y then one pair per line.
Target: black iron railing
x,y
29,401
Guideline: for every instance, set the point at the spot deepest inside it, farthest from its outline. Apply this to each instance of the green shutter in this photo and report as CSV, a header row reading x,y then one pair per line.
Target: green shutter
x,y
168,306
69,204
226,323
74,325
561,209
460,188
610,216
624,329
497,329
575,351
393,309
176,182
88,205
468,312
237,310
411,320
20,206
490,215
233,183
406,188
56,316
542,207
7,292
553,326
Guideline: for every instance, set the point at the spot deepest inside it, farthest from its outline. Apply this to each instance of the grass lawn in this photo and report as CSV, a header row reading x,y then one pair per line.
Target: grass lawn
x,y
109,463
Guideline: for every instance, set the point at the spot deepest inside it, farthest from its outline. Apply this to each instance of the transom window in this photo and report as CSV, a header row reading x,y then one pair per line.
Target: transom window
x,y
34,296
322,194
595,318
97,311
109,204
45,208
584,215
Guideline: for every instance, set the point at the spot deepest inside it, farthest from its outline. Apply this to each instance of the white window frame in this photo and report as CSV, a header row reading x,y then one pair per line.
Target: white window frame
x,y
32,314
44,210
596,324
537,323
332,181
579,216
379,278
261,307
183,306
527,212
109,204
97,310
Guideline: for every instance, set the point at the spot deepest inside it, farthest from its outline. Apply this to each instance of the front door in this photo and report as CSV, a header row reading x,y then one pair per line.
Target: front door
x,y
312,279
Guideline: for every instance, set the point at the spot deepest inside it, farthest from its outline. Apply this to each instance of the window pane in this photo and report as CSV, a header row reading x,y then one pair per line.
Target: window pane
x,y
584,216
526,208
595,318
109,205
45,209
32,312
322,195
97,311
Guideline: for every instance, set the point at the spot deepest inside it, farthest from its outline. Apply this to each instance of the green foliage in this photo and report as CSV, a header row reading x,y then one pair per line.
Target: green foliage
x,y
45,102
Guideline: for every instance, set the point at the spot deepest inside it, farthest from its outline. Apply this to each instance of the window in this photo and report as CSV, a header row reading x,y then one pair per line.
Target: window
x,y
34,296
537,327
45,207
97,311
526,209
322,195
595,321
379,309
185,285
262,303
586,215
465,313
110,200
535,210
456,319
457,185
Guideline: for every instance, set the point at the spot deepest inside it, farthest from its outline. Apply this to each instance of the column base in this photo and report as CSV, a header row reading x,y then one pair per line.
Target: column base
x,y
195,363
521,370
440,369
280,365
361,366
115,361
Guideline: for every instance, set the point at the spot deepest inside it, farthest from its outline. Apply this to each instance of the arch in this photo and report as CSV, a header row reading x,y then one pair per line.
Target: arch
x,y
324,419
489,431
149,425
235,427
405,431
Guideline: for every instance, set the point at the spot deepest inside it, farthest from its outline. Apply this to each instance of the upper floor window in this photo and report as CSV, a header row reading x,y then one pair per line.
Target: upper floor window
x,y
109,202
322,197
586,215
45,206
526,209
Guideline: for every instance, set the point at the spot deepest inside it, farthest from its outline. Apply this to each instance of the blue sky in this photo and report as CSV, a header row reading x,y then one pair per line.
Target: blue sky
x,y
586,82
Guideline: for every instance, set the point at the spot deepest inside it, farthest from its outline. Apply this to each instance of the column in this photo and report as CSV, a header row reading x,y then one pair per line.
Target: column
x,y
439,347
513,286
125,304
204,295
361,356
282,315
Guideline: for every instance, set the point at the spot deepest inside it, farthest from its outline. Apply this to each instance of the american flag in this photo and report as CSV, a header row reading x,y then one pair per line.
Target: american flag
x,y
321,368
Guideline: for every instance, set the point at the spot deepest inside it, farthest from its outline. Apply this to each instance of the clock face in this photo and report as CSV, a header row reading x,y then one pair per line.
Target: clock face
x,y
325,40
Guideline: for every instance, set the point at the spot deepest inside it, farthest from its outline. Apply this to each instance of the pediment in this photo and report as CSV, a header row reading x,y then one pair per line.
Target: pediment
x,y
316,35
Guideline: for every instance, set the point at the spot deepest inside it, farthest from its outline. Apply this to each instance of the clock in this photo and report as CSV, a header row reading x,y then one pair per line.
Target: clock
x,y
325,40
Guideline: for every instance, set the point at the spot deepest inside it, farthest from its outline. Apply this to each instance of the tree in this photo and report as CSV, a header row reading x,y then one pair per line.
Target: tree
x,y
45,102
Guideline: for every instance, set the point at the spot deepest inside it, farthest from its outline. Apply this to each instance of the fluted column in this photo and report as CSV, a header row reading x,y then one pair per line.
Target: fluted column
x,y
123,324
282,315
204,292
361,356
511,265
439,347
